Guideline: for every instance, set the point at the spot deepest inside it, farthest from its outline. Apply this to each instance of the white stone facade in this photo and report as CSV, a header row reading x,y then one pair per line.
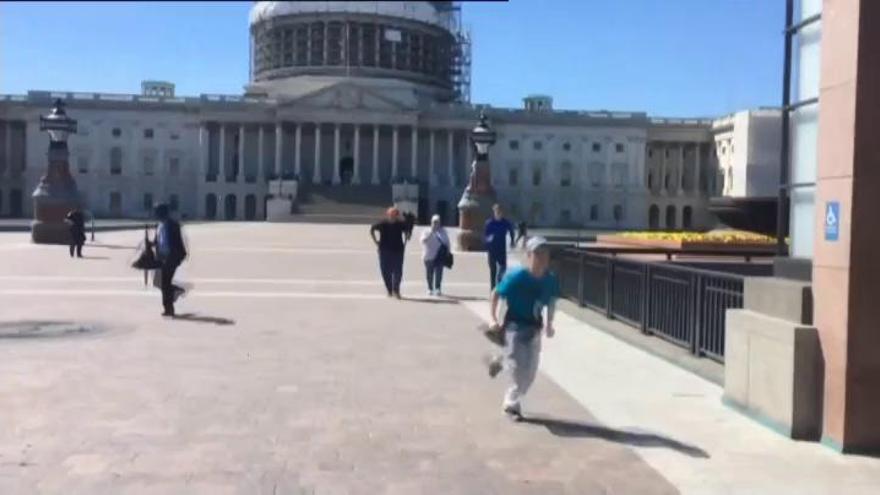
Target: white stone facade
x,y
214,157
748,145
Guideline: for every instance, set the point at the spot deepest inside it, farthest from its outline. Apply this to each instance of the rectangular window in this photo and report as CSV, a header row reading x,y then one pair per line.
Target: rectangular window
x,y
594,213
148,202
173,202
597,147
175,136
537,145
82,163
115,203
173,166
536,177
514,144
148,133
565,217
149,165
513,177
619,147
117,132
566,146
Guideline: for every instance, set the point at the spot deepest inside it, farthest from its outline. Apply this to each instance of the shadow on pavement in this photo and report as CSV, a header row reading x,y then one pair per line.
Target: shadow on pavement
x,y
573,429
467,298
86,257
110,246
428,300
204,319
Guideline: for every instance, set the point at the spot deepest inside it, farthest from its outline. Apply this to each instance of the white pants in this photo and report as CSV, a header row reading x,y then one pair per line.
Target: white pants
x,y
521,363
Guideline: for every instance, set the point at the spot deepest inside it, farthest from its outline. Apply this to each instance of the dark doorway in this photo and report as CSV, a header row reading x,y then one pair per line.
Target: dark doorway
x,y
230,207
250,207
442,207
211,207
346,170
422,214
16,205
654,217
686,218
670,217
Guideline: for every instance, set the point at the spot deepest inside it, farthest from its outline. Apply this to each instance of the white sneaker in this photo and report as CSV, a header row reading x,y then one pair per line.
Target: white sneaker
x,y
430,292
438,293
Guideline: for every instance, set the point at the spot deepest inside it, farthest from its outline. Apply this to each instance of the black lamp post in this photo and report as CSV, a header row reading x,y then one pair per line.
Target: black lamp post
x,y
56,193
476,202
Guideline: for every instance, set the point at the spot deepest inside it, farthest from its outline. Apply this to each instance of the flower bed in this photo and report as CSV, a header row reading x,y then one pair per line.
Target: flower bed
x,y
722,240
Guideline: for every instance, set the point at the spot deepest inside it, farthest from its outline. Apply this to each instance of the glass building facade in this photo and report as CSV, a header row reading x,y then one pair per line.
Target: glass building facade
x,y
804,35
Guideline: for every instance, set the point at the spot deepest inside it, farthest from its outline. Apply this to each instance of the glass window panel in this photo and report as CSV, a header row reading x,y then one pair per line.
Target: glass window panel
x,y
806,8
804,135
802,223
806,60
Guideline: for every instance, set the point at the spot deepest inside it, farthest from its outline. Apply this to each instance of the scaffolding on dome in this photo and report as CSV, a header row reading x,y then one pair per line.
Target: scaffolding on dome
x,y
461,50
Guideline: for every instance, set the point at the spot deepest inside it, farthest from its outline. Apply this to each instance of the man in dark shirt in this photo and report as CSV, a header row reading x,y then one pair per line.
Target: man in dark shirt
x,y
522,233
392,239
77,224
171,251
496,231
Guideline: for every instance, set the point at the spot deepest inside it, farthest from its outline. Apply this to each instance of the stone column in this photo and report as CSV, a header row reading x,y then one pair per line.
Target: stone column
x,y
279,136
663,149
240,177
316,173
375,178
394,144
845,266
698,173
204,150
356,178
431,180
261,169
681,169
297,154
450,164
222,154
415,153
336,172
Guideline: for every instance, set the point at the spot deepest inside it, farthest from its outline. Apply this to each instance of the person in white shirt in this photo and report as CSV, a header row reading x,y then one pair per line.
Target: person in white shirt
x,y
433,239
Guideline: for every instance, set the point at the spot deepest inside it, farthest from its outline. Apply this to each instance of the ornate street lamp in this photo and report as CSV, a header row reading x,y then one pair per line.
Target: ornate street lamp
x,y
56,193
476,203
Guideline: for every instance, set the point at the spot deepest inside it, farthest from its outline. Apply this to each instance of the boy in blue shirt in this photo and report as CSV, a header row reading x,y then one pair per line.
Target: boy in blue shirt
x,y
527,291
496,230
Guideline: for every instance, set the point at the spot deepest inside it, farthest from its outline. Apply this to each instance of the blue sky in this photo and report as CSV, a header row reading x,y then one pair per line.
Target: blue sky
x,y
665,57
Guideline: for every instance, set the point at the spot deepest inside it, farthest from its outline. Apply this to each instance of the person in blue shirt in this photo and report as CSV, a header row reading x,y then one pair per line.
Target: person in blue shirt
x,y
495,234
527,290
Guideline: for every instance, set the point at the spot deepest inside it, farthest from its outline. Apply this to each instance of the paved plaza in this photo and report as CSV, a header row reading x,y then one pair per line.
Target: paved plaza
x,y
290,372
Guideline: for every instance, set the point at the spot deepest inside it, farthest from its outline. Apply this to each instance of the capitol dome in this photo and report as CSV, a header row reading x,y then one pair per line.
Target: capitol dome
x,y
419,43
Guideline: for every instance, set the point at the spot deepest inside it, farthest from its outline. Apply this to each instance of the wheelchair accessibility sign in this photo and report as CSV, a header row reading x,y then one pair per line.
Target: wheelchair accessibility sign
x,y
832,221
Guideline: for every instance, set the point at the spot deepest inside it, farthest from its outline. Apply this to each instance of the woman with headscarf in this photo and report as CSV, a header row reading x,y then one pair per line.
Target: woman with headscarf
x,y
434,242
391,242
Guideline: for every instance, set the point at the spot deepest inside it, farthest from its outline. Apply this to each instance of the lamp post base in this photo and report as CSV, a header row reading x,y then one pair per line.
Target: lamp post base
x,y
50,232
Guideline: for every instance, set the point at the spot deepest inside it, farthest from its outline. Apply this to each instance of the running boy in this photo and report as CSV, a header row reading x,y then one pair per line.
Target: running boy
x,y
527,291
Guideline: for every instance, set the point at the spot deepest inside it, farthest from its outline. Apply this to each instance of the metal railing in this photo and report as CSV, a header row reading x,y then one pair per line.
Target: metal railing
x,y
681,304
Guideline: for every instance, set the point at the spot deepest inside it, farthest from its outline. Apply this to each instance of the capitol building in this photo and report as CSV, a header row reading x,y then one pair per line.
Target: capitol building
x,y
345,101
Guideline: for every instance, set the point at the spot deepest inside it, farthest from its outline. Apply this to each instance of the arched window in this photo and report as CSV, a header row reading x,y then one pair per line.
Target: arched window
x,y
654,217
594,213
116,160
230,207
687,218
670,217
250,207
618,213
211,206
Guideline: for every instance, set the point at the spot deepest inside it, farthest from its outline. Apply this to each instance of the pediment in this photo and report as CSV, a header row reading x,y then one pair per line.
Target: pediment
x,y
346,96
